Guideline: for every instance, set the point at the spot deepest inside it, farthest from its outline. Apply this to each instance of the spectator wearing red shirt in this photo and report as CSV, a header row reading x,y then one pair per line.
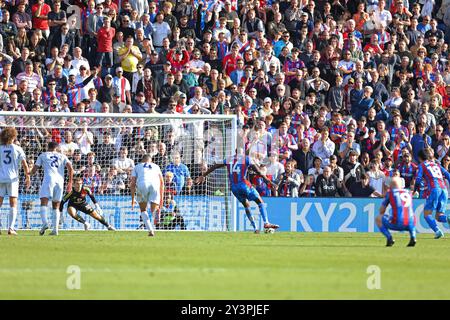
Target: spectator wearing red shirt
x,y
374,45
230,61
109,5
40,17
105,36
177,58
446,98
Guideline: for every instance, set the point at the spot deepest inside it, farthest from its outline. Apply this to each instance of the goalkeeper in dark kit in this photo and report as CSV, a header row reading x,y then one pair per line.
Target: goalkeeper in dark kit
x,y
77,202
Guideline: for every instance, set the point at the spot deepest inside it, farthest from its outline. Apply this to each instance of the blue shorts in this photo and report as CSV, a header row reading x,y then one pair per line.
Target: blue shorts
x,y
397,227
244,192
437,200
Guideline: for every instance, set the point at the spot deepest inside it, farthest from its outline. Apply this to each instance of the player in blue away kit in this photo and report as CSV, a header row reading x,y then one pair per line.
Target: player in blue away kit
x,y
401,217
237,167
433,174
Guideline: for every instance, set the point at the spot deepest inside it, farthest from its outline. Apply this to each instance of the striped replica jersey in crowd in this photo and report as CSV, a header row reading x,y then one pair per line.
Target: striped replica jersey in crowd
x,y
11,157
237,167
402,213
407,171
433,174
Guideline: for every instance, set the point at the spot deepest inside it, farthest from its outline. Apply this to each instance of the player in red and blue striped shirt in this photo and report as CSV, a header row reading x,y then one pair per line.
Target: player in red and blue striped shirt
x,y
242,189
407,169
401,217
433,174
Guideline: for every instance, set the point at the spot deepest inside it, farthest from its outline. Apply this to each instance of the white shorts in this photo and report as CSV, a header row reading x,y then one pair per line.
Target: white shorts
x,y
148,194
53,191
10,189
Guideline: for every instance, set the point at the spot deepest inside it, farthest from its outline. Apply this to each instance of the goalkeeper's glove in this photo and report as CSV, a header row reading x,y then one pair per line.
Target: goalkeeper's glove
x,y
98,209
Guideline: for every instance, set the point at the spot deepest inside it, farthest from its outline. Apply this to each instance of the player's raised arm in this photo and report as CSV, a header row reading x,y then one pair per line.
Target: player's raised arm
x,y
201,178
34,170
64,200
90,193
257,169
418,178
445,173
26,170
70,172
132,190
161,183
384,204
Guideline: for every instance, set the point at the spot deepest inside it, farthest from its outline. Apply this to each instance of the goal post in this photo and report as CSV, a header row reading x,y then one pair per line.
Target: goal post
x,y
104,148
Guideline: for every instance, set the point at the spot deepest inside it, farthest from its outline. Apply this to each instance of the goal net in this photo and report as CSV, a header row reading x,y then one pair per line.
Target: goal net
x,y
104,148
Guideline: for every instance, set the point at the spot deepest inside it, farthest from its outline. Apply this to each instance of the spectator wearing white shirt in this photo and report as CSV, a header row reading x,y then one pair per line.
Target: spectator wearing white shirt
x,y
68,146
324,147
123,164
381,16
122,86
316,170
222,28
80,78
199,99
33,79
84,138
274,167
395,100
197,63
267,59
78,60
376,177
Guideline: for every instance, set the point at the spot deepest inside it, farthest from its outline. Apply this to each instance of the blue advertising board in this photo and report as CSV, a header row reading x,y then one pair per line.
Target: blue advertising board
x,y
208,214
326,214
200,213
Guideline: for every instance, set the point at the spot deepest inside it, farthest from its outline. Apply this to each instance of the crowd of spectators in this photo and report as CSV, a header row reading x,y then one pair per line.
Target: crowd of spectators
x,y
333,98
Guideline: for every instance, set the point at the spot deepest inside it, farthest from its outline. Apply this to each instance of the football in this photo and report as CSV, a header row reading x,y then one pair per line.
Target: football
x,y
269,230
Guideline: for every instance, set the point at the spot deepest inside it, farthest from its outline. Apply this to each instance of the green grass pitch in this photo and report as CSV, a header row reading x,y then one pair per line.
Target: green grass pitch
x,y
208,265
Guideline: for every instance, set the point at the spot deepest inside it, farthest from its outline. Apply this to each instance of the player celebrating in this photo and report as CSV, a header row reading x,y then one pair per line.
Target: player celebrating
x,y
77,202
148,181
11,157
437,199
401,217
237,167
53,163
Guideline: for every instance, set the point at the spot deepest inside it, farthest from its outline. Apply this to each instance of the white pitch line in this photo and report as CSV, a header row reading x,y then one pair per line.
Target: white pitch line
x,y
175,270
109,270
